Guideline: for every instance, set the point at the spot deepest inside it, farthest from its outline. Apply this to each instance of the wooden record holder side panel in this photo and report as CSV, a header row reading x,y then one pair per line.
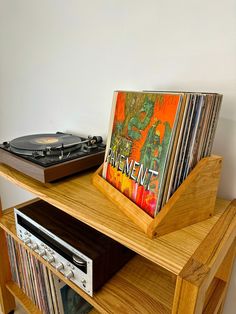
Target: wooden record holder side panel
x,y
192,202
51,173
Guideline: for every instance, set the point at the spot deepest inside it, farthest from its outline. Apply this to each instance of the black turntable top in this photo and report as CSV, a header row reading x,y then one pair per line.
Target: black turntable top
x,y
49,150
43,143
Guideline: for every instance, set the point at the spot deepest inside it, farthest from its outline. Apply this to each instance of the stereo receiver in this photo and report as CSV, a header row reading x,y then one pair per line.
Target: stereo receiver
x,y
82,254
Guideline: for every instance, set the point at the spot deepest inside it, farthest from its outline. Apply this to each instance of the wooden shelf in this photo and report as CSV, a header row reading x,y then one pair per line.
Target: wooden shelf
x,y
79,198
186,271
22,298
137,279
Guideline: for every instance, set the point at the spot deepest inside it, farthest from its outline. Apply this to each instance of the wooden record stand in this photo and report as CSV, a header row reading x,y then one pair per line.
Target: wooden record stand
x,y
192,202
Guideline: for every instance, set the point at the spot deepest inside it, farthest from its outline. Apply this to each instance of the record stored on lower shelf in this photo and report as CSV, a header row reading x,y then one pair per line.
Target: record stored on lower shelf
x,y
49,157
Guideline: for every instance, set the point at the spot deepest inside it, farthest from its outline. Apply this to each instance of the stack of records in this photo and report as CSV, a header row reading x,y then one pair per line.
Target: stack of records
x,y
155,139
47,291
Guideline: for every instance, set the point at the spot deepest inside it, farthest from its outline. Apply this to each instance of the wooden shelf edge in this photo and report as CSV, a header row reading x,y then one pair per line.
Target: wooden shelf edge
x,y
211,252
199,272
22,298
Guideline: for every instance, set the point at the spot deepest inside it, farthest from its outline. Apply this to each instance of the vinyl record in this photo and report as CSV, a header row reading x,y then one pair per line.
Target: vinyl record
x,y
43,142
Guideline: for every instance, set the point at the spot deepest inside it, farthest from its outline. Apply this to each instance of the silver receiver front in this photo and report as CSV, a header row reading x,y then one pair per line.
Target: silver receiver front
x,y
73,264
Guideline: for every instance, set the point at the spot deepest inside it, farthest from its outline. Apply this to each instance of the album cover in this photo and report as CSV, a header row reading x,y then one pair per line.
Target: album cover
x,y
175,151
197,137
69,302
140,139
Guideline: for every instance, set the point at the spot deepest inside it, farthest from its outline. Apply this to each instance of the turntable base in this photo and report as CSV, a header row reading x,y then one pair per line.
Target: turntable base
x,y
50,173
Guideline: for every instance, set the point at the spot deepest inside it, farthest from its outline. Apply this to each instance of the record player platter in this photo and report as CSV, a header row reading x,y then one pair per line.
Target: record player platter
x,y
44,142
48,157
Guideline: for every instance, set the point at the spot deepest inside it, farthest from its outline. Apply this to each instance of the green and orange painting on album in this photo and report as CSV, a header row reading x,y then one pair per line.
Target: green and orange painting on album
x,y
138,145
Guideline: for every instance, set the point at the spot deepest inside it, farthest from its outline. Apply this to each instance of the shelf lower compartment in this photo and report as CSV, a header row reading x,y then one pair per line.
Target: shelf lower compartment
x,y
26,302
138,279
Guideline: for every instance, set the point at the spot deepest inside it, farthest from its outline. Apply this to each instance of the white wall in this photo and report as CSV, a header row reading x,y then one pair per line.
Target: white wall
x,y
60,62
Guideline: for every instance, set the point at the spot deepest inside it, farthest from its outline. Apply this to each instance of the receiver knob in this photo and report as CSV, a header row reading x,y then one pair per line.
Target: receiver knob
x,y
50,259
59,266
27,241
42,252
69,274
78,261
34,246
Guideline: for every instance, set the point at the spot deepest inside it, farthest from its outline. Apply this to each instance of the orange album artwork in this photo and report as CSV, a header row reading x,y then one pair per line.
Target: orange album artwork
x,y
139,144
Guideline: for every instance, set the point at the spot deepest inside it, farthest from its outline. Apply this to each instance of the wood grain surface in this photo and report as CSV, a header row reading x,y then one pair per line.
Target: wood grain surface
x,y
78,197
193,201
198,274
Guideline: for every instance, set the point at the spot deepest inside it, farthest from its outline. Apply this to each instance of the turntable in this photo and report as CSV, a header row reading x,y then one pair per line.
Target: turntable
x,y
49,157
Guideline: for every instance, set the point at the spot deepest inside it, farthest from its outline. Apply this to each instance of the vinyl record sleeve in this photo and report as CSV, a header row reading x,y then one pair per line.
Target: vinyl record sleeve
x,y
141,135
69,302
